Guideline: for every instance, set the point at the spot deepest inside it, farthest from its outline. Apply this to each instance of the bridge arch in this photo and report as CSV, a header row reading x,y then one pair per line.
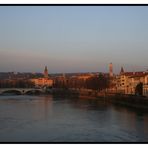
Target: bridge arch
x,y
33,91
21,91
12,91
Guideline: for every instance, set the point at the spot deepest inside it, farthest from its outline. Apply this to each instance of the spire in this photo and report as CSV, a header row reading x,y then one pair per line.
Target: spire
x,y
122,70
46,72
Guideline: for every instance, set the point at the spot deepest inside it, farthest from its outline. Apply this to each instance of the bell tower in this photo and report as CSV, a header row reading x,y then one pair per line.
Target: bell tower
x,y
111,70
46,72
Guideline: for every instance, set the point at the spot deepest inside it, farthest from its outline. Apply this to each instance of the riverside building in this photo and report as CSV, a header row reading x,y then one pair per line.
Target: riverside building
x,y
45,81
132,83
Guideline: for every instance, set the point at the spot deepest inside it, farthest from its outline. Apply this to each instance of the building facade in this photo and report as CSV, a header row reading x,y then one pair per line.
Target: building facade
x,y
43,81
129,82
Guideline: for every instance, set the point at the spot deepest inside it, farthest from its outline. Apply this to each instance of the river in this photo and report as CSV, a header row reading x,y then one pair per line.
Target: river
x,y
47,119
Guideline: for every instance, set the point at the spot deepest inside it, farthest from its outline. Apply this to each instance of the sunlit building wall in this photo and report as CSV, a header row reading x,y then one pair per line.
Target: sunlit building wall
x,y
45,81
127,82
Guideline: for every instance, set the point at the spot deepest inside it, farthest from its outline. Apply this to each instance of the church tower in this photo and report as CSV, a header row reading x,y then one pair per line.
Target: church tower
x,y
46,72
111,70
121,71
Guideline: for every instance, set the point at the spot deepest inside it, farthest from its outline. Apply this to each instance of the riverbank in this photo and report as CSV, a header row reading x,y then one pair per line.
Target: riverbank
x,y
134,101
139,102
64,92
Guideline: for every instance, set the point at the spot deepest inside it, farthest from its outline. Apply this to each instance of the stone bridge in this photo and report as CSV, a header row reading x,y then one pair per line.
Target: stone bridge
x,y
21,91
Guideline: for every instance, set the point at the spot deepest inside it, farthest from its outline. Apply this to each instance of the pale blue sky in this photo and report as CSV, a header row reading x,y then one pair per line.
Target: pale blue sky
x,y
73,38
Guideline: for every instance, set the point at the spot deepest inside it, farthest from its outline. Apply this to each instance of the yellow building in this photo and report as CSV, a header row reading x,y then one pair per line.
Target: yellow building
x,y
127,82
84,77
145,86
43,82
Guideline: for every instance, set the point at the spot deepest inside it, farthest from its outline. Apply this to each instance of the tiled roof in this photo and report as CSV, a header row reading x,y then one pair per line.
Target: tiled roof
x,y
139,75
135,74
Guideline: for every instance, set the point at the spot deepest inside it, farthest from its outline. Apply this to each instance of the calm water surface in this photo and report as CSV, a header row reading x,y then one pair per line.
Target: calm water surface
x,y
48,119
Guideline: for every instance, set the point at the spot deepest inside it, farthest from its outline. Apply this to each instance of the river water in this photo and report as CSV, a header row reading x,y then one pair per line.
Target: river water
x,y
49,119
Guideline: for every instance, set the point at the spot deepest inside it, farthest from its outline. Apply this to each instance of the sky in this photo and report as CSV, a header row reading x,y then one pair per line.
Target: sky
x,y
73,38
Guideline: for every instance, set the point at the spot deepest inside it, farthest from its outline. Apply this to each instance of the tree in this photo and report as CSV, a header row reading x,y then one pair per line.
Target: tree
x,y
139,89
97,82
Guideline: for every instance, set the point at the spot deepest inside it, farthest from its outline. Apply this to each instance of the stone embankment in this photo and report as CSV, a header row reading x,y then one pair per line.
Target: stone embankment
x,y
64,92
134,101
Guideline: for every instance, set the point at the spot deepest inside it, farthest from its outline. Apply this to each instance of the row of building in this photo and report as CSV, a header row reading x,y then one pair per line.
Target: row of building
x,y
131,82
124,82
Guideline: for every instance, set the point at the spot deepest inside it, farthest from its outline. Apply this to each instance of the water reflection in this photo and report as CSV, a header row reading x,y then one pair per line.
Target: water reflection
x,y
50,119
48,106
88,104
